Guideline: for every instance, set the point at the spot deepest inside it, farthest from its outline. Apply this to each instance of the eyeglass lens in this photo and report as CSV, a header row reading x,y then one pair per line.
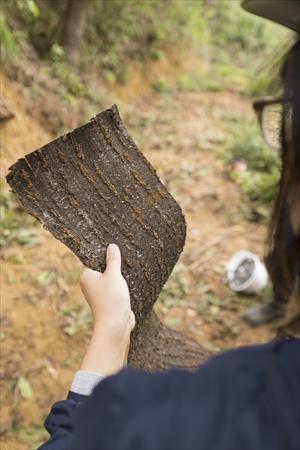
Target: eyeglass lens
x,y
271,122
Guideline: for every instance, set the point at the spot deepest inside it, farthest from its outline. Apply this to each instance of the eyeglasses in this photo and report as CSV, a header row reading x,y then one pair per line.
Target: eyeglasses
x,y
270,112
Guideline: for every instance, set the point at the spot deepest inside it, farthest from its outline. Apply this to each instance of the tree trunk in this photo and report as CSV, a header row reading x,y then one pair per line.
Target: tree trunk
x,y
92,187
73,28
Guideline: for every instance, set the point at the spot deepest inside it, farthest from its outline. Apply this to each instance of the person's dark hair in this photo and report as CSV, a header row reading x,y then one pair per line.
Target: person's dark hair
x,y
283,258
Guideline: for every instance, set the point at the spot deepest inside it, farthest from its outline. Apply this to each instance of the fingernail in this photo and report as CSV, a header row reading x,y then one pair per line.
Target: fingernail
x,y
112,248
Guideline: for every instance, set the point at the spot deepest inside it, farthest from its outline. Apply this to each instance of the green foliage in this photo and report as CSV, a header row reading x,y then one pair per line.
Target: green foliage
x,y
38,21
141,30
28,9
231,24
160,85
109,76
56,53
249,145
7,39
119,31
70,80
195,82
261,179
248,50
261,186
16,224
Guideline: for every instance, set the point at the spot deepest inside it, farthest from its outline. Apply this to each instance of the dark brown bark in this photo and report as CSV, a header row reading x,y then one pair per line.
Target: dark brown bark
x,y
92,187
73,28
162,347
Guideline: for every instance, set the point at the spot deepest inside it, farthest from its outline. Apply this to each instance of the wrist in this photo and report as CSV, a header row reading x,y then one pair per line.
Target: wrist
x,y
113,333
106,354
112,339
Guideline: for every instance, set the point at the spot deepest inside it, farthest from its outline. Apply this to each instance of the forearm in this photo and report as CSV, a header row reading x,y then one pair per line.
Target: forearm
x,y
109,299
105,355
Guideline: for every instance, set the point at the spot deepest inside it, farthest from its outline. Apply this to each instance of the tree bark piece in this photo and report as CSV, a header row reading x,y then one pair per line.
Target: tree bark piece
x,y
92,187
163,347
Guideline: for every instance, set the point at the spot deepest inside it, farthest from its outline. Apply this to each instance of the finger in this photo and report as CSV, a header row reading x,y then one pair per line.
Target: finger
x,y
113,259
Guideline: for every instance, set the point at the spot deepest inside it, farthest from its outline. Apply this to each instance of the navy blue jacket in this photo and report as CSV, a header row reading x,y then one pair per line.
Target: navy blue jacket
x,y
247,399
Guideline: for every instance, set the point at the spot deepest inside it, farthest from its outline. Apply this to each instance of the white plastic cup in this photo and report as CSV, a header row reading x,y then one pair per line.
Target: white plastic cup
x,y
256,280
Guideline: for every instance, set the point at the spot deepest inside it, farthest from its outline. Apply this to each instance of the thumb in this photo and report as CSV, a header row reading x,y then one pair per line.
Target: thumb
x,y
113,259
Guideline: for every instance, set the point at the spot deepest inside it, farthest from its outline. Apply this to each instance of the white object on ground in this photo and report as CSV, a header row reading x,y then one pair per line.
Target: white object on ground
x,y
245,272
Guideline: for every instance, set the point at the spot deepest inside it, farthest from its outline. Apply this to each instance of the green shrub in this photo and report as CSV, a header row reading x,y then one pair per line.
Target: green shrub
x,y
248,144
231,24
7,39
70,80
120,31
56,53
248,50
28,9
160,86
261,186
130,29
261,179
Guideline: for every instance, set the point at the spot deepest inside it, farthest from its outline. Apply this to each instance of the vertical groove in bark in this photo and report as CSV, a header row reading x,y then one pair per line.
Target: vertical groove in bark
x,y
92,187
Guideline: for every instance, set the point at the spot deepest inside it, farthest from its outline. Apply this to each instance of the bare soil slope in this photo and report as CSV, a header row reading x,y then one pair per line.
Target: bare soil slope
x,y
45,322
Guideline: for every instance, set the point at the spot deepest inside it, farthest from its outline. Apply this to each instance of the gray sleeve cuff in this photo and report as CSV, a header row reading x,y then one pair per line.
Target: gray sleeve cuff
x,y
84,382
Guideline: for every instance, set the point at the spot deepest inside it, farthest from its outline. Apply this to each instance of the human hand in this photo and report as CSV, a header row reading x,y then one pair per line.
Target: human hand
x,y
108,296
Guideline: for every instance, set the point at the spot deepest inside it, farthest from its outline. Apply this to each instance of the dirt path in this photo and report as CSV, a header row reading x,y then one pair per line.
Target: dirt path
x,y
45,322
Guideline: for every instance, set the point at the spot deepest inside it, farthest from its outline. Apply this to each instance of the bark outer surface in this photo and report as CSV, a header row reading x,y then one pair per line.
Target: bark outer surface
x,y
92,187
